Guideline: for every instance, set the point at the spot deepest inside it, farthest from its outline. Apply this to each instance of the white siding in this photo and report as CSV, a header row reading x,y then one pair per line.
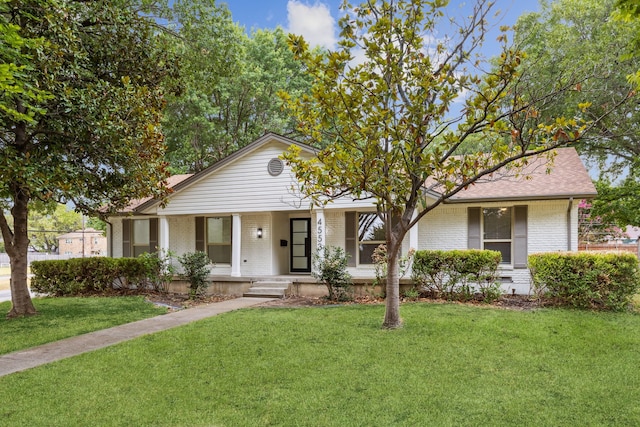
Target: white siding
x,y
256,253
243,185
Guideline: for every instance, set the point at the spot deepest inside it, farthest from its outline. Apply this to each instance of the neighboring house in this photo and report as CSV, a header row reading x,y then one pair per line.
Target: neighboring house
x,y
245,213
83,243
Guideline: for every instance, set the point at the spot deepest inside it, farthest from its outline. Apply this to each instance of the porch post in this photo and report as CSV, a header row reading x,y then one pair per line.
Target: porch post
x,y
236,239
413,234
163,235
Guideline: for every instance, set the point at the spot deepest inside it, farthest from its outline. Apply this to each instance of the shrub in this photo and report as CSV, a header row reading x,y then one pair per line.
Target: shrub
x,y
330,267
96,274
604,281
158,269
195,267
458,274
380,264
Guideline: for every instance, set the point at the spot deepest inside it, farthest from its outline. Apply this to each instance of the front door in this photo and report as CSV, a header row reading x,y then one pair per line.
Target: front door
x,y
300,245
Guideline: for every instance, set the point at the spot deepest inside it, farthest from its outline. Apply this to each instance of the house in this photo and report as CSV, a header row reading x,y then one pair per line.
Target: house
x,y
83,243
245,213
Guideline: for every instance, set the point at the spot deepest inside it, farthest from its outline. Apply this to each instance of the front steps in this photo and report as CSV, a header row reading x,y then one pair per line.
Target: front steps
x,y
268,289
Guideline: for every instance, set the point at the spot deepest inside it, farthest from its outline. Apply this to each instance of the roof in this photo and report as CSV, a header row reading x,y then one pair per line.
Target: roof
x,y
567,178
172,181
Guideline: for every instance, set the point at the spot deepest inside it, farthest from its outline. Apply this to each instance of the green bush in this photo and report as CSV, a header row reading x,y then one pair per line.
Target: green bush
x,y
195,267
458,274
330,267
605,281
76,276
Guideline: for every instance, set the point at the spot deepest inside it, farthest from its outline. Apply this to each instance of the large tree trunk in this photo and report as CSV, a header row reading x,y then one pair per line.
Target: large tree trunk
x,y
16,245
392,312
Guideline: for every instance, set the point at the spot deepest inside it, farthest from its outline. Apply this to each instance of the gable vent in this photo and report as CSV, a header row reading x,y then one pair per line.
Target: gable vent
x,y
275,167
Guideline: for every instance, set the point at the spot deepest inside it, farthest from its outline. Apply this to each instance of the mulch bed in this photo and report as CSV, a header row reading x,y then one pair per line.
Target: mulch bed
x,y
179,301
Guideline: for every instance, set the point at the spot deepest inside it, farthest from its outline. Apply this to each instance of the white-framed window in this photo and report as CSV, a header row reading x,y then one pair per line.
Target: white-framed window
x,y
141,238
497,231
219,239
371,234
68,241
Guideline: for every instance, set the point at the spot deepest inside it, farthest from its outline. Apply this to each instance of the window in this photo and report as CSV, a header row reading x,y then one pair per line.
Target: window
x,y
371,234
141,242
497,231
219,239
68,241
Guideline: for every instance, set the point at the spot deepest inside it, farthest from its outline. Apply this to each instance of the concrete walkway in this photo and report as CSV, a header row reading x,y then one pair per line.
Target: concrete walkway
x,y
25,359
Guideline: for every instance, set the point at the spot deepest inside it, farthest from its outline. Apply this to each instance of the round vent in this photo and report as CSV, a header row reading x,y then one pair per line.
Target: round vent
x,y
275,167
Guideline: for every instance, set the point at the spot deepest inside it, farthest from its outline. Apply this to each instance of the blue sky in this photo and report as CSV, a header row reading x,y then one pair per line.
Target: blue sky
x,y
317,20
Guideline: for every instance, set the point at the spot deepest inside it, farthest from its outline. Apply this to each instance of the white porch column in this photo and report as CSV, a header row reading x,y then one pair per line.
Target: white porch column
x,y
413,233
236,245
163,235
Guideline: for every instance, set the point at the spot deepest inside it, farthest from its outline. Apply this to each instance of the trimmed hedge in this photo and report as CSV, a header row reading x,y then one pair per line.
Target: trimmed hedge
x,y
604,281
458,273
76,276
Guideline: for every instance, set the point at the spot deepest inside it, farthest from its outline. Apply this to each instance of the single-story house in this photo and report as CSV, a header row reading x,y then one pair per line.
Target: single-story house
x,y
245,213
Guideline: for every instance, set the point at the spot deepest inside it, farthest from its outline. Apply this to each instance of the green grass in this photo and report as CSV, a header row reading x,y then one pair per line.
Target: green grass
x,y
66,317
450,365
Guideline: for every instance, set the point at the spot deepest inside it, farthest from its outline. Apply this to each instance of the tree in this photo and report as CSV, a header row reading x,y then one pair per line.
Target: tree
x,y
230,83
94,139
46,226
579,37
392,120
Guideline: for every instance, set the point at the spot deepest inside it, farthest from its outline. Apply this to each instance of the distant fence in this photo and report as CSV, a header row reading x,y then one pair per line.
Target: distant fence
x,y
633,248
34,256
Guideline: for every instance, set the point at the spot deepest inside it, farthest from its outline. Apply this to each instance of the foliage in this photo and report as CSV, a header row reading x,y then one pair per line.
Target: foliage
x,y
97,224
95,138
330,267
160,268
195,266
586,280
229,81
45,226
393,122
458,274
594,227
77,276
16,53
579,37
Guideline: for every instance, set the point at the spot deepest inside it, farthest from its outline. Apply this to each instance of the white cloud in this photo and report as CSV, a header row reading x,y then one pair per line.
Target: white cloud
x,y
313,22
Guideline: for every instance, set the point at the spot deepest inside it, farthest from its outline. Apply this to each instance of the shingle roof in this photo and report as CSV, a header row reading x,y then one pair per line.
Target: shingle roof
x,y
568,177
172,181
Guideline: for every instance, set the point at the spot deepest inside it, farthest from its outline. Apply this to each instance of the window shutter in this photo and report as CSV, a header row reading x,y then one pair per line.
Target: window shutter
x,y
153,235
350,240
474,240
200,234
520,237
126,238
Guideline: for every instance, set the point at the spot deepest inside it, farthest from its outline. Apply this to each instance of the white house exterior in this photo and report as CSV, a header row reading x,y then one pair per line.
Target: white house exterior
x,y
244,211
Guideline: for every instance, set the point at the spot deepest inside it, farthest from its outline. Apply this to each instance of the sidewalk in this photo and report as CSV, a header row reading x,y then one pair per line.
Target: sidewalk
x,y
29,358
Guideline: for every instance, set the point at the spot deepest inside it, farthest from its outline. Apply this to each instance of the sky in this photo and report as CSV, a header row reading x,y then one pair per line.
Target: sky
x,y
317,20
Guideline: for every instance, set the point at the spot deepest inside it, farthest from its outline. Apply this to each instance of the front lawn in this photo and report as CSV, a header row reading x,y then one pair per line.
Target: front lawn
x,y
60,318
335,366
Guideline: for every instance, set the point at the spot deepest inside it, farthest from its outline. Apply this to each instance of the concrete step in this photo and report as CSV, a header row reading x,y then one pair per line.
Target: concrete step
x,y
268,289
